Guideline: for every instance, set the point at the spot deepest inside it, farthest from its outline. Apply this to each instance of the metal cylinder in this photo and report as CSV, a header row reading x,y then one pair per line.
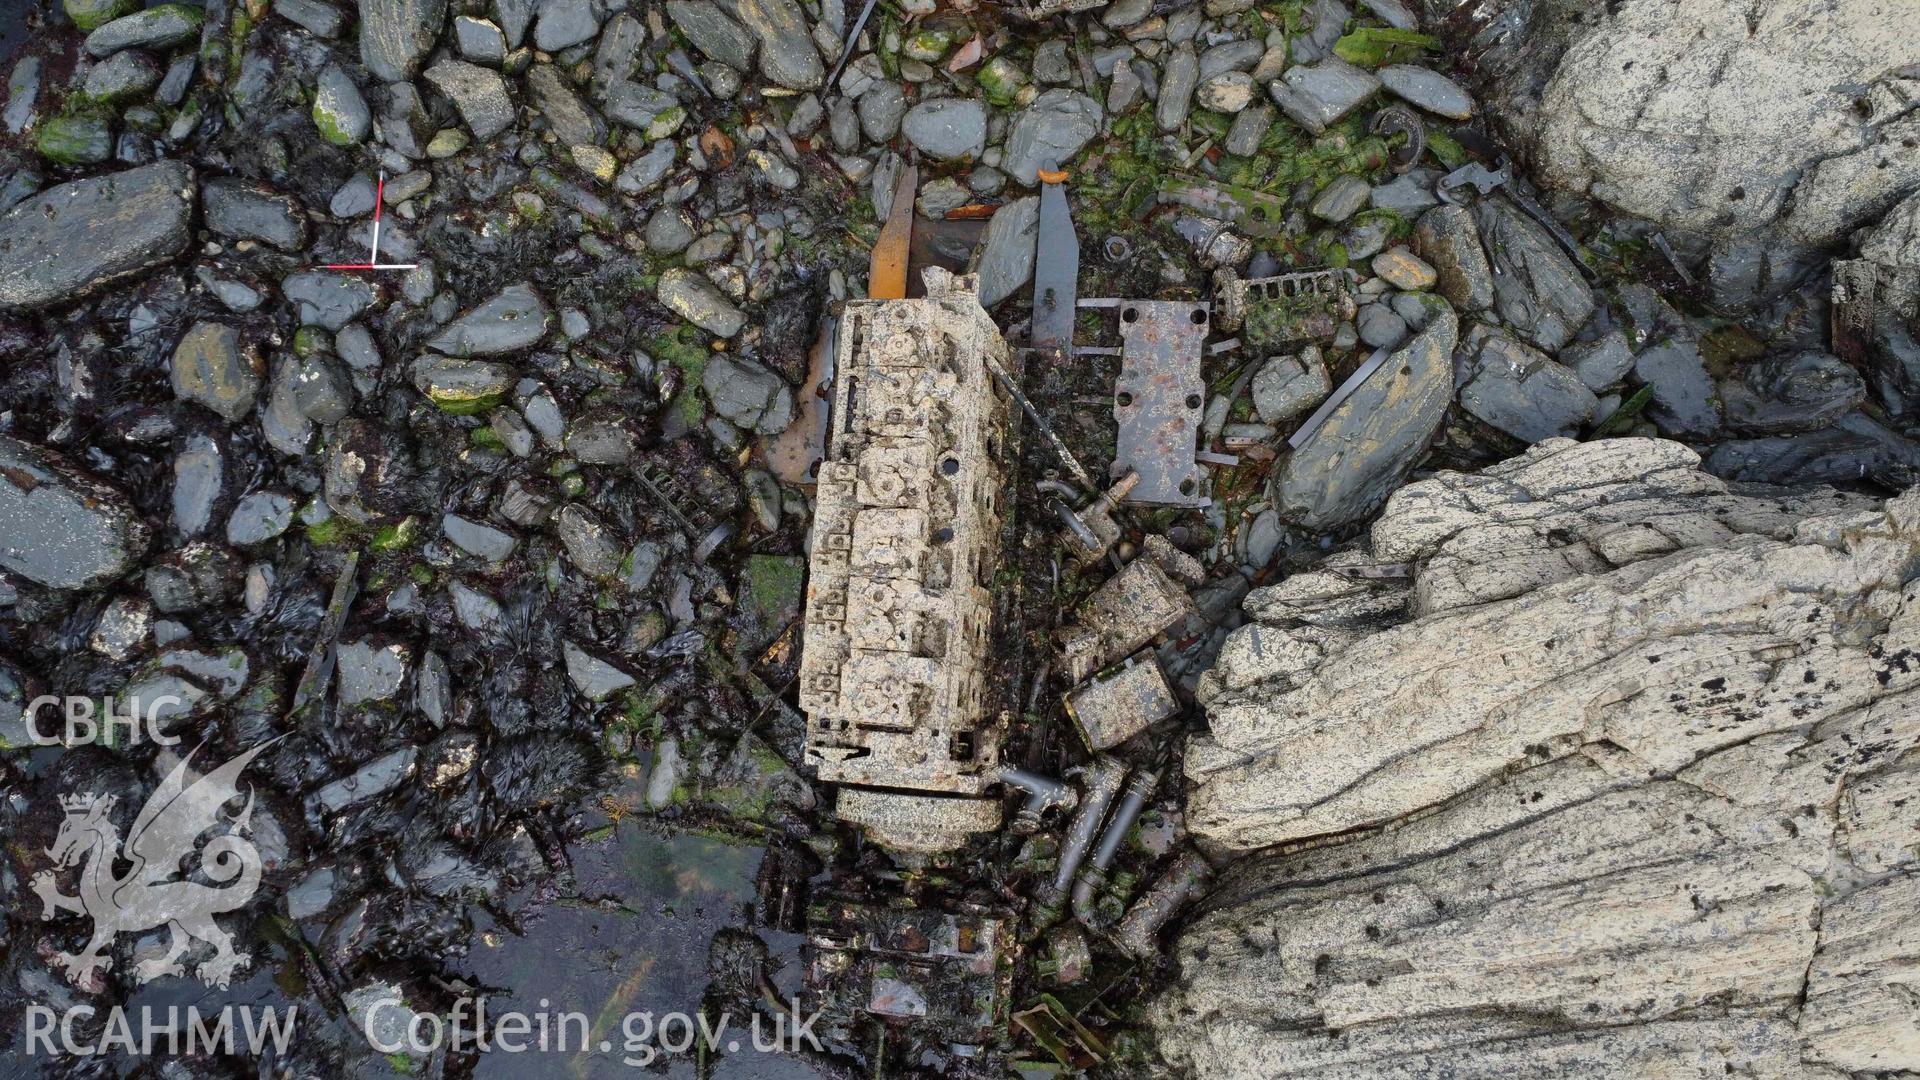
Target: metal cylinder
x,y
1103,780
1094,877
1043,794
1139,931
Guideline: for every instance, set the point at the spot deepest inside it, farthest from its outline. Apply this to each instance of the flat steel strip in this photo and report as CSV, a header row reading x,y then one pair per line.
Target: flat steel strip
x,y
1345,391
1056,273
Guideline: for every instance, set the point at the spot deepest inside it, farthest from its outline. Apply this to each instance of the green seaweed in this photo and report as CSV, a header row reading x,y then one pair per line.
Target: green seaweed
x,y
1377,46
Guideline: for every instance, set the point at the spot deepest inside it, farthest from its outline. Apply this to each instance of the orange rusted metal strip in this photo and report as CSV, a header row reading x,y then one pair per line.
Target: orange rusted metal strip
x,y
973,212
887,274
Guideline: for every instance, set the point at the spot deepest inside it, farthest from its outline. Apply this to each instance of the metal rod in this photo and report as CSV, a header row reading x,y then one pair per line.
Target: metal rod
x,y
853,38
1094,877
1103,783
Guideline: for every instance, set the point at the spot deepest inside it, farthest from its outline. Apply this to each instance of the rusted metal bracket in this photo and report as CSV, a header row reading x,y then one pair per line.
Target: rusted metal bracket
x,y
1255,213
1159,397
1275,310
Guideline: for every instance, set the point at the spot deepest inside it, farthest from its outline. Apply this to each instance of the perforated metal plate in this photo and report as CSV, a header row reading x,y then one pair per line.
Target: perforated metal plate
x,y
1158,400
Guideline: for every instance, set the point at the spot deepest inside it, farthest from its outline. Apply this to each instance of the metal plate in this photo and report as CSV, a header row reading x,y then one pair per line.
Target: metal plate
x,y
1158,400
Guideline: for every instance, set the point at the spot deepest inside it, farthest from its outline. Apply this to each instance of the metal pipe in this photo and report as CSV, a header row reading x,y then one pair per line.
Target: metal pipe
x,y
1094,877
1139,932
1043,794
1103,780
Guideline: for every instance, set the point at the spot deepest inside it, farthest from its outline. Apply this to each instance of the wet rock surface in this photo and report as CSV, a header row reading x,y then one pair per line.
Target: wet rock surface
x,y
503,537
73,237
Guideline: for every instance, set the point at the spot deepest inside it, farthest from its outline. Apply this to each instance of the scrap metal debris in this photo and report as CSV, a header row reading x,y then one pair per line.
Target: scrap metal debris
x,y
906,538
887,266
1401,119
948,971
1255,213
1135,606
1056,271
1092,878
1092,530
794,455
1339,396
1139,930
1118,704
1158,398
1285,308
1102,782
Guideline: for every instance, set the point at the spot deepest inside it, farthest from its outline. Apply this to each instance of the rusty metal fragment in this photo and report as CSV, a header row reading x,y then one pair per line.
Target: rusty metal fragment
x,y
1121,702
1255,213
1159,397
1401,118
1092,531
948,972
1068,957
906,539
1054,1027
1135,606
795,454
887,264
1273,311
1139,930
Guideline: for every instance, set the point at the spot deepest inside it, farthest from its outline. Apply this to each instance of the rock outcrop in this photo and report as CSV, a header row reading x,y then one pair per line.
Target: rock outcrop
x,y
1764,132
1616,781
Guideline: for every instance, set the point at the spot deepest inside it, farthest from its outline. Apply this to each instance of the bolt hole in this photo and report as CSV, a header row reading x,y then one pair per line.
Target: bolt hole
x,y
1130,315
1125,399
1186,486
950,466
943,535
1193,401
1199,316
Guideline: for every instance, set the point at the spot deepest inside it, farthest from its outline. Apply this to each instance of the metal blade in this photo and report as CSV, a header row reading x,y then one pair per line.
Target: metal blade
x,y
1056,273
853,38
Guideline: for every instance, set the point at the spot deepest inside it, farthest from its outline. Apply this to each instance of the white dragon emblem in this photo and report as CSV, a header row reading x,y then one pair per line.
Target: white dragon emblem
x,y
155,889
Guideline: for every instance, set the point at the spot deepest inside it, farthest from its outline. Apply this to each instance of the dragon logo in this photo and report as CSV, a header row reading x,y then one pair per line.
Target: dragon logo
x,y
156,890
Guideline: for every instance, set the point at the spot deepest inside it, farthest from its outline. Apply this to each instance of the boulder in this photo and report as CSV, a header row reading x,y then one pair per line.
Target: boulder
x,y
60,527
76,236
1616,783
1763,133
1373,439
395,35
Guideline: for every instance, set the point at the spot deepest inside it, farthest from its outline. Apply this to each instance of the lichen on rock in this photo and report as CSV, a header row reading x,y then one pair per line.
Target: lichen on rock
x,y
1604,787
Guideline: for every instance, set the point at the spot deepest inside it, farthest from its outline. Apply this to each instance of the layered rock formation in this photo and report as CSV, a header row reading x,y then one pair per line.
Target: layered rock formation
x,y
1617,781
1765,131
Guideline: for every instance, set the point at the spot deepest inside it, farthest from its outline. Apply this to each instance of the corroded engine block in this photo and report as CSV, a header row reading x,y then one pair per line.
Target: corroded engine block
x,y
906,543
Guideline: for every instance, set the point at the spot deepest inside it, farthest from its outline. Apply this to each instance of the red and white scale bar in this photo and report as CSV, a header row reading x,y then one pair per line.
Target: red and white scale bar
x,y
379,197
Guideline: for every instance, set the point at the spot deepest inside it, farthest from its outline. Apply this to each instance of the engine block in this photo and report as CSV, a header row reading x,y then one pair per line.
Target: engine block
x,y
906,544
